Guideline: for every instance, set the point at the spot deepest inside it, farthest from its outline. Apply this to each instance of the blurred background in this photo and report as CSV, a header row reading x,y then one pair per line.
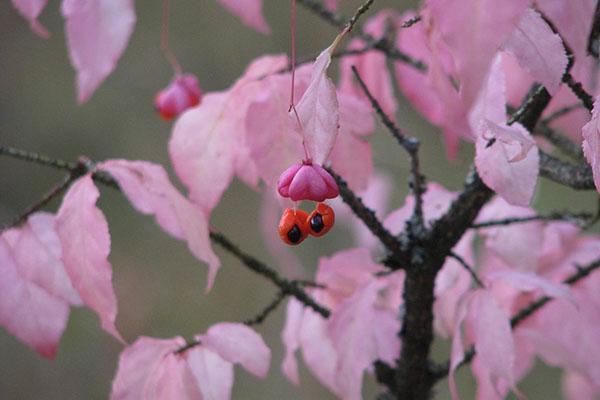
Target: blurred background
x,y
159,285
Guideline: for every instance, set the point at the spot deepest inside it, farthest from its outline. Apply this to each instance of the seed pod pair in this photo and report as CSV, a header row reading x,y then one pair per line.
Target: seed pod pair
x,y
296,225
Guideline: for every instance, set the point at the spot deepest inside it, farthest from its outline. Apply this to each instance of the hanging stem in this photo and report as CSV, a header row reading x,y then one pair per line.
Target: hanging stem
x,y
293,68
164,45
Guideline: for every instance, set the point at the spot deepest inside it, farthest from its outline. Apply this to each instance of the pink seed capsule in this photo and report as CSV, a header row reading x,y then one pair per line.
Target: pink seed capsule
x,y
182,93
307,181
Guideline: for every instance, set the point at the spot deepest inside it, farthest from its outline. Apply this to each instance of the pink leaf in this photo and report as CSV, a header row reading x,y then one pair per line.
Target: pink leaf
x,y
136,362
238,343
539,50
591,143
148,188
436,202
31,10
508,162
494,342
209,143
274,145
457,353
37,251
528,282
291,340
351,156
491,100
83,233
577,387
202,150
249,11
474,30
319,112
214,376
97,34
518,245
28,311
353,328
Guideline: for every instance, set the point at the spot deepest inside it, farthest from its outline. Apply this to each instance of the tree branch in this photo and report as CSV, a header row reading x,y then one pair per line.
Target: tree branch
x,y
411,145
383,45
578,177
578,218
272,306
579,91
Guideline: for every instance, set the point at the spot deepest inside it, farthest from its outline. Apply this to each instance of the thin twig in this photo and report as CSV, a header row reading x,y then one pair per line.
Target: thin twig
x,y
410,22
190,344
272,306
359,12
466,266
578,218
579,91
56,191
561,112
410,144
37,158
286,286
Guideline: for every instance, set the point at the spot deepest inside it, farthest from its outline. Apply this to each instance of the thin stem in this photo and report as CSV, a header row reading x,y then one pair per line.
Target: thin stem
x,y
578,218
561,112
579,91
37,158
410,22
272,306
190,344
293,65
466,266
56,191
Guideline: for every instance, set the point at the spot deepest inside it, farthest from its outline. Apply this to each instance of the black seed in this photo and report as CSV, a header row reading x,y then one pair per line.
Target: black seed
x,y
294,234
316,223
